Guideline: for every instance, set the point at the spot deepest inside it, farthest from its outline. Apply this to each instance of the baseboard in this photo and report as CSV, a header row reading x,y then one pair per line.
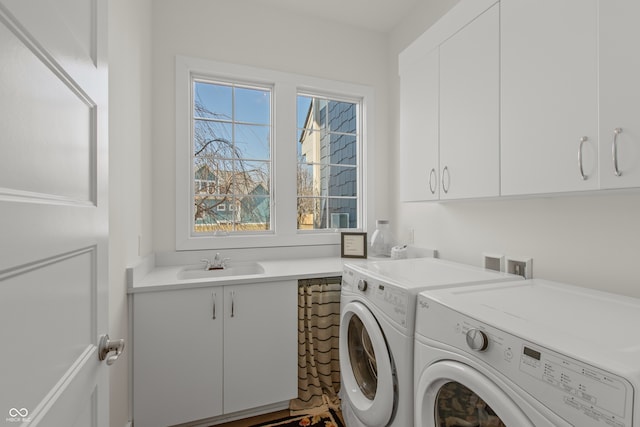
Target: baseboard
x,y
237,415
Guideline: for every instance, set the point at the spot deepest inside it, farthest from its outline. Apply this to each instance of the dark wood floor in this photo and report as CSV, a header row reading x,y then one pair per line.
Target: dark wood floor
x,y
256,420
263,419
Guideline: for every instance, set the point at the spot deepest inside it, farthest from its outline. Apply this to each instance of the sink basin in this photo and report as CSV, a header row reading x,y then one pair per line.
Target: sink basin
x,y
234,269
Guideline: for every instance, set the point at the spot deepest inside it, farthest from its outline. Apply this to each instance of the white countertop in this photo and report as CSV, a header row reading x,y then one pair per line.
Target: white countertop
x,y
148,276
166,278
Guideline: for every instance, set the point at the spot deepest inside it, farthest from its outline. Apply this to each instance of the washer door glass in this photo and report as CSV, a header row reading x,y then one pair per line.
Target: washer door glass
x,y
367,370
458,406
362,357
452,394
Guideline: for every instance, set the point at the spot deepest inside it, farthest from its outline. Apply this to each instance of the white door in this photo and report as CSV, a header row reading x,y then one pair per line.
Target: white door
x,y
53,210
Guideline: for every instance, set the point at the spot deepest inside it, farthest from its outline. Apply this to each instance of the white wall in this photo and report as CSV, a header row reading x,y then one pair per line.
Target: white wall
x,y
223,30
586,240
129,132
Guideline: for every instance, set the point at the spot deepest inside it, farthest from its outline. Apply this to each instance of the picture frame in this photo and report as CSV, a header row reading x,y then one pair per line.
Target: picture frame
x,y
353,245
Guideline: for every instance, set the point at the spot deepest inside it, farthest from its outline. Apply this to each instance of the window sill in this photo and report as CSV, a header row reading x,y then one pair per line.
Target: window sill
x,y
257,241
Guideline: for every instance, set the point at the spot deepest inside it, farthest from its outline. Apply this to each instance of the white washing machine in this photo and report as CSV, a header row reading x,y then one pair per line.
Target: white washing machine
x,y
527,354
376,333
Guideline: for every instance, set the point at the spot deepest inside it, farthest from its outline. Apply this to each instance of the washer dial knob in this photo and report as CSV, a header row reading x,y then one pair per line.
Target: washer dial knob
x,y
362,285
477,340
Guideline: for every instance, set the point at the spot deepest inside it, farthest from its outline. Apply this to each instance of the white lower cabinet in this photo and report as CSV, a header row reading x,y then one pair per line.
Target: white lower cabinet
x,y
203,352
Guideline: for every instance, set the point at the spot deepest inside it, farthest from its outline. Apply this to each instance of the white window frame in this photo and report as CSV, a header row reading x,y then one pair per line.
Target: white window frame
x,y
283,156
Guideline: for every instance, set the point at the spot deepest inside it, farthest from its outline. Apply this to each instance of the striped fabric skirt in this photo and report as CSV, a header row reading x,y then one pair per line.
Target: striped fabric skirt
x,y
318,329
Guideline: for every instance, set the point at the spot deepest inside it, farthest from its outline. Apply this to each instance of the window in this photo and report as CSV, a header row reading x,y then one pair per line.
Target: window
x,y
265,158
232,147
327,163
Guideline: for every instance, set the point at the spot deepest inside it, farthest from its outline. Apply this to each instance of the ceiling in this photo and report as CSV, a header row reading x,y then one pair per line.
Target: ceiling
x,y
376,15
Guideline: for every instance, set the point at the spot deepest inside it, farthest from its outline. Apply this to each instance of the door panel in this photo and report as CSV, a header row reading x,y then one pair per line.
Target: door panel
x,y
53,199
51,127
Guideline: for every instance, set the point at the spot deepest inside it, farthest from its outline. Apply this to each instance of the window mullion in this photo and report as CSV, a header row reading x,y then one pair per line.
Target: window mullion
x,y
285,162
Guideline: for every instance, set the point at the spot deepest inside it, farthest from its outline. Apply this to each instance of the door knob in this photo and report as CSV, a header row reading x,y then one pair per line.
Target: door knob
x,y
107,346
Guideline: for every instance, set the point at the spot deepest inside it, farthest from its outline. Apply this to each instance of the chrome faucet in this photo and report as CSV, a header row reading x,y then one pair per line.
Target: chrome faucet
x,y
218,262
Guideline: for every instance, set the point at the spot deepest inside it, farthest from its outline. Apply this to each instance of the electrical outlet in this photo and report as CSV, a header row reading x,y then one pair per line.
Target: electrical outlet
x,y
493,262
520,266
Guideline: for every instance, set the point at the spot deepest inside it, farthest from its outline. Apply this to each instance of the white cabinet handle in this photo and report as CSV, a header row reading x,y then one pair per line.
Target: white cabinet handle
x,y
582,141
233,304
433,185
614,151
445,188
213,297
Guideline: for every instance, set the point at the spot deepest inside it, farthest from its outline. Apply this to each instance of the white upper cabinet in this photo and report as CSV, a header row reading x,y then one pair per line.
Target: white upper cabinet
x,y
419,130
619,94
522,97
449,107
549,98
469,110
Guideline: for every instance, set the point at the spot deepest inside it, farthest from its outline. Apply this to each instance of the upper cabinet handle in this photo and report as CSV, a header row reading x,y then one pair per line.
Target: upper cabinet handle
x,y
433,185
445,188
614,151
582,141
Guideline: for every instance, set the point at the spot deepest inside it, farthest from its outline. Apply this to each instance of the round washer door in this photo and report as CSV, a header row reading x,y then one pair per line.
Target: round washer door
x,y
366,366
476,399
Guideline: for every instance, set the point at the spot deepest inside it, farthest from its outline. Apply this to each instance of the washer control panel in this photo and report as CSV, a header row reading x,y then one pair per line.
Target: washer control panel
x,y
582,394
597,394
392,300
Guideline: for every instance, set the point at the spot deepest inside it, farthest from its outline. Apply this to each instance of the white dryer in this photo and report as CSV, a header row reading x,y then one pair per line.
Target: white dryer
x,y
527,354
376,333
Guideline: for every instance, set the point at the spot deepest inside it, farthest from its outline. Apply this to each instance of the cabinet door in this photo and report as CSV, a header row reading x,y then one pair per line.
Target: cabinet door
x,y
177,356
260,345
619,93
419,121
469,110
548,96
